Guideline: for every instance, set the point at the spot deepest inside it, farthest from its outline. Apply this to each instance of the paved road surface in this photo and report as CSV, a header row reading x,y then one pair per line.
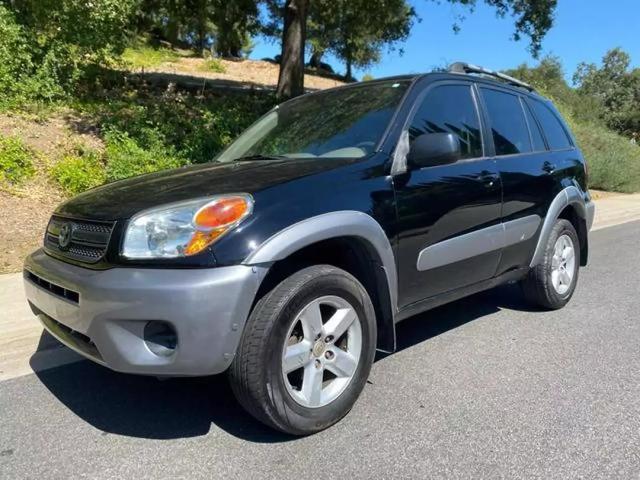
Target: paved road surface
x,y
480,388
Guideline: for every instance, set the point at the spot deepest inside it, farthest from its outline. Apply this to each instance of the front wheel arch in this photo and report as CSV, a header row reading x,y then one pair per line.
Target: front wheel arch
x,y
355,256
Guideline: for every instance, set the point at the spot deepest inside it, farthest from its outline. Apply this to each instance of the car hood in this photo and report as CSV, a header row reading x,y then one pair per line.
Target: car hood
x,y
122,199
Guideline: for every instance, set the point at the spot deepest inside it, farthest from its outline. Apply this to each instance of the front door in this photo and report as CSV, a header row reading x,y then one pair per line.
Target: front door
x,y
448,215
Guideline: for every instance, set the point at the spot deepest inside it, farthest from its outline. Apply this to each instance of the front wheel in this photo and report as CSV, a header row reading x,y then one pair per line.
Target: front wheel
x,y
306,352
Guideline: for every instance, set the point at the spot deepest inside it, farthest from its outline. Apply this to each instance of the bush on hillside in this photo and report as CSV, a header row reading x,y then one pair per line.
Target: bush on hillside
x,y
47,47
143,55
15,59
613,161
195,127
125,158
16,165
79,171
212,65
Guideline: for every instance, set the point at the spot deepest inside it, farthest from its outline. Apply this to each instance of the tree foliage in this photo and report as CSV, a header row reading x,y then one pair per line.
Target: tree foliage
x,y
616,87
532,18
356,31
225,26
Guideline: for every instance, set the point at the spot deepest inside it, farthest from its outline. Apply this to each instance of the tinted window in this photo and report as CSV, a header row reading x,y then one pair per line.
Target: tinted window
x,y
534,128
450,108
346,122
509,129
553,130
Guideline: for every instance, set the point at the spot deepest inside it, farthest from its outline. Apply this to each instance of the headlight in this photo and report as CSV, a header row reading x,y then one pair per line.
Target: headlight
x,y
185,228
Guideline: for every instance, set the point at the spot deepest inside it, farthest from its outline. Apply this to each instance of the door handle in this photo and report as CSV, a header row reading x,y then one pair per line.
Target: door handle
x,y
488,178
548,167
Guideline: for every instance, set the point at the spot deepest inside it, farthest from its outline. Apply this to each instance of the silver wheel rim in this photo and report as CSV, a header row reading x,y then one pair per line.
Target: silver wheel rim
x,y
563,264
321,351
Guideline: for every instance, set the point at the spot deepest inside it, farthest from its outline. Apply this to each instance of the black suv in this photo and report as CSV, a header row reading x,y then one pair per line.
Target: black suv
x,y
288,260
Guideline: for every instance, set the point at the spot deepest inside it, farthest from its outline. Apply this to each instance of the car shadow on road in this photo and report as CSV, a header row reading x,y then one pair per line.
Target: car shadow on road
x,y
145,407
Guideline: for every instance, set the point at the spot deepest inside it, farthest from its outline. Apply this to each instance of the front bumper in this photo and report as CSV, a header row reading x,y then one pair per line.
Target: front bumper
x,y
102,313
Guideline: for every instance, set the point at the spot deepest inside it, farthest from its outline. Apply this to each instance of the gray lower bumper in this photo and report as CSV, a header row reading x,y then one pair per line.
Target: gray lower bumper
x,y
207,308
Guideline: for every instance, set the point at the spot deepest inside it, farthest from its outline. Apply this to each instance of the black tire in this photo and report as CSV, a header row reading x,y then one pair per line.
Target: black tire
x,y
256,373
537,286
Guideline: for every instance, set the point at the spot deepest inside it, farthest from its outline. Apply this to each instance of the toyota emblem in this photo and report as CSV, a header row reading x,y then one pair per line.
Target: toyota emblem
x,y
64,237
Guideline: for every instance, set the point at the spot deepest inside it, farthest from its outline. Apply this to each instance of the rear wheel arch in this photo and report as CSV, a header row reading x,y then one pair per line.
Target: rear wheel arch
x,y
570,205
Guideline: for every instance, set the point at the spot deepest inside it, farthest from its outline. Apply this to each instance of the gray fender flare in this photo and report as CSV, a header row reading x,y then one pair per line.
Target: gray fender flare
x,y
568,196
345,223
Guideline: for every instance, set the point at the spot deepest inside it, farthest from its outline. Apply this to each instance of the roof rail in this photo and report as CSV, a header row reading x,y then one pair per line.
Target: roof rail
x,y
461,67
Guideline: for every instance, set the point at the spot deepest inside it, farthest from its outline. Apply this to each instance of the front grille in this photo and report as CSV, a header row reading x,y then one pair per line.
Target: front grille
x,y
87,239
56,290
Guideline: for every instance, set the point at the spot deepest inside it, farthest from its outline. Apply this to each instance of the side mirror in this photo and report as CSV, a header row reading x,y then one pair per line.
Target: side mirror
x,y
431,149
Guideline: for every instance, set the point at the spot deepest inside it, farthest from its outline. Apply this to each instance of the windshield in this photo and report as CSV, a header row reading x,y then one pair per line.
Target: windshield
x,y
342,123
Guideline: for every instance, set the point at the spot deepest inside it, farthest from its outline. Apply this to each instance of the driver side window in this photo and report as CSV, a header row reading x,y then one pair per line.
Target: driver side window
x,y
450,109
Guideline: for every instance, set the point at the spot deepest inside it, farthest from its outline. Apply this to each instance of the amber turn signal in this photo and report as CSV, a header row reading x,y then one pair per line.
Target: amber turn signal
x,y
214,219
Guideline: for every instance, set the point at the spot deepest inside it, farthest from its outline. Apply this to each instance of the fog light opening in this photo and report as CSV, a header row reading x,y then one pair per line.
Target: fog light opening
x,y
160,338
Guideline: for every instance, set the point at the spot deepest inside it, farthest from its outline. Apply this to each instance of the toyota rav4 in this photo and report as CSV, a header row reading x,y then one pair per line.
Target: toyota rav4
x,y
288,260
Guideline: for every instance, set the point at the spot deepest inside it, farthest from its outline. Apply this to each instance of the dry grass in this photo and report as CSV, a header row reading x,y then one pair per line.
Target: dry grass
x,y
25,209
249,72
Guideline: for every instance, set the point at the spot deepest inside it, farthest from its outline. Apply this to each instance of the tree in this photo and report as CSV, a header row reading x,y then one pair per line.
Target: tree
x,y
547,76
227,25
356,31
291,77
616,87
235,21
533,18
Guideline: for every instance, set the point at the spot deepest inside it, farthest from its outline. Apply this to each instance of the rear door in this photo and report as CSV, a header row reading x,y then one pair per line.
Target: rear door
x,y
522,159
447,214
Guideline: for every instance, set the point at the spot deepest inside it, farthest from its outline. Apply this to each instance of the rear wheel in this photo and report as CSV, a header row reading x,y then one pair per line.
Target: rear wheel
x,y
552,283
306,351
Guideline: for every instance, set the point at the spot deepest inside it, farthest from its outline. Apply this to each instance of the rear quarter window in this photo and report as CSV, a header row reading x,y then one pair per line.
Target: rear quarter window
x,y
555,133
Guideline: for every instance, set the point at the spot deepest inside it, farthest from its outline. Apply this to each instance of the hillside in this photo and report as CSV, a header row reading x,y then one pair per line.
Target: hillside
x,y
70,134
246,73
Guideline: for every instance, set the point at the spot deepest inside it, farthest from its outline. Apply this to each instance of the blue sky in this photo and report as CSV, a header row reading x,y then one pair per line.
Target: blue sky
x,y
583,30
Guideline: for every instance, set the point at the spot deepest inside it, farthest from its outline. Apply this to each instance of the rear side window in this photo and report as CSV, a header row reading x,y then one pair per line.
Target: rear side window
x,y
534,128
554,131
508,126
450,108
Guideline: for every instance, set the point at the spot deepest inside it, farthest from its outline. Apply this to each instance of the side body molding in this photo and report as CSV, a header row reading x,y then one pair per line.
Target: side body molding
x,y
478,242
346,223
568,196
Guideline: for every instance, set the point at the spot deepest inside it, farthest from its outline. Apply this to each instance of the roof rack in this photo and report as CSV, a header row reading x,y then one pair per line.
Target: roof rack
x,y
461,67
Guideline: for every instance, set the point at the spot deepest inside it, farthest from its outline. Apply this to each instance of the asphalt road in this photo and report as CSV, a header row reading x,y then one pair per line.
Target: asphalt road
x,y
483,387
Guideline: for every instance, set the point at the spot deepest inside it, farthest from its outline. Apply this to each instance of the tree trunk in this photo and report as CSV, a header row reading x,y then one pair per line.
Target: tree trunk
x,y
291,78
316,58
348,75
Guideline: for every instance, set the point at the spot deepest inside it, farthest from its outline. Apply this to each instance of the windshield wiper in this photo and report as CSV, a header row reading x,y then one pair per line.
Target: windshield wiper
x,y
250,158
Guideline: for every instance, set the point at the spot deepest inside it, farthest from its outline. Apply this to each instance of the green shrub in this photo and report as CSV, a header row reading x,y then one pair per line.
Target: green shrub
x,y
146,56
15,59
48,48
126,158
79,171
195,127
212,65
16,165
614,162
